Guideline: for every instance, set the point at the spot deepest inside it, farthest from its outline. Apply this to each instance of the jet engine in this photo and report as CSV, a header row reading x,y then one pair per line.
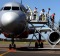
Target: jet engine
x,y
54,38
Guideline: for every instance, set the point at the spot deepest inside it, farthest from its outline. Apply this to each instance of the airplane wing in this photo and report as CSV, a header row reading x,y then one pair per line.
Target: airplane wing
x,y
36,30
45,30
39,28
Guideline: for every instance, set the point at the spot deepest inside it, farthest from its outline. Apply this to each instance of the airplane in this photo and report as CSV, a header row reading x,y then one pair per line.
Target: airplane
x,y
13,24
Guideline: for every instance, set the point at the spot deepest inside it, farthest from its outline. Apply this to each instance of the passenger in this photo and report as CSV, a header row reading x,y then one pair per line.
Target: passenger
x,y
35,13
48,13
53,19
41,14
43,17
48,17
49,10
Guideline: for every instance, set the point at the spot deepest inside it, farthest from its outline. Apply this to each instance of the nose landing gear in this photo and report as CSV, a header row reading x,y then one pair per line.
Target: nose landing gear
x,y
12,45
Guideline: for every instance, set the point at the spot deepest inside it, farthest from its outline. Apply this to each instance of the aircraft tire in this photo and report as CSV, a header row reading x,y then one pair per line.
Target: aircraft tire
x,y
41,45
14,46
10,46
36,45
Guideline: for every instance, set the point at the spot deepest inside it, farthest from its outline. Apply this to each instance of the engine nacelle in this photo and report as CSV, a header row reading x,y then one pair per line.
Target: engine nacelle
x,y
54,38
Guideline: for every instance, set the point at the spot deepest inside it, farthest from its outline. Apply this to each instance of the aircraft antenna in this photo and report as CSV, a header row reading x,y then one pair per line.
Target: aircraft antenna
x,y
21,1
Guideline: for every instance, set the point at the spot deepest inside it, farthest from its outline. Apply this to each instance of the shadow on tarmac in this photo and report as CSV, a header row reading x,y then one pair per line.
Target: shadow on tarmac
x,y
36,49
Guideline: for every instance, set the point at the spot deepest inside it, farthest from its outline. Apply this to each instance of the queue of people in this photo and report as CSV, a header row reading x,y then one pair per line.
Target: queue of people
x,y
45,16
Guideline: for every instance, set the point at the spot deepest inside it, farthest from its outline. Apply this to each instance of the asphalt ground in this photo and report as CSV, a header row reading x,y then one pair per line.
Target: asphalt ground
x,y
29,53
23,50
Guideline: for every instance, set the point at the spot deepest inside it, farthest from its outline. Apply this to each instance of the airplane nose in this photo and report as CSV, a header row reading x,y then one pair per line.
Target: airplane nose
x,y
8,18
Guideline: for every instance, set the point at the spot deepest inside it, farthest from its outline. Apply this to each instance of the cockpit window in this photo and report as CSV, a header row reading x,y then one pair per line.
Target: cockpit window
x,y
22,9
15,8
7,8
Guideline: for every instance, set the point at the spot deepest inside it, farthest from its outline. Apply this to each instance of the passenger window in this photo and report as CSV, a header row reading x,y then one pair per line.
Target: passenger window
x,y
7,8
15,8
22,9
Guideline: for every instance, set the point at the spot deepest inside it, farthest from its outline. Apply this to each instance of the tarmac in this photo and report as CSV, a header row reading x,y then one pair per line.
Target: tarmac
x,y
23,50
29,53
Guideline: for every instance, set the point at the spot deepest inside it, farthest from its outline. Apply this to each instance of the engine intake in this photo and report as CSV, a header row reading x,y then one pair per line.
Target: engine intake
x,y
53,38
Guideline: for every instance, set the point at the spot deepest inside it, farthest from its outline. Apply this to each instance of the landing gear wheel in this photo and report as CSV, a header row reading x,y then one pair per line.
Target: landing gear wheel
x,y
10,46
14,46
36,45
41,45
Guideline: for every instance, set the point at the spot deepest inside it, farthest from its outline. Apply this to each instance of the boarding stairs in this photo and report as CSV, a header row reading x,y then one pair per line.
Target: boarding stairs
x,y
31,21
54,26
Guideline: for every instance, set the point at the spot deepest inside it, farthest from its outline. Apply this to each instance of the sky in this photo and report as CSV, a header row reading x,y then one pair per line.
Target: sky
x,y
40,4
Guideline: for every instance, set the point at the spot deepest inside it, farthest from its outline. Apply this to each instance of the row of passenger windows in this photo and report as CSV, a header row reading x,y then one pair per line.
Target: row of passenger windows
x,y
12,8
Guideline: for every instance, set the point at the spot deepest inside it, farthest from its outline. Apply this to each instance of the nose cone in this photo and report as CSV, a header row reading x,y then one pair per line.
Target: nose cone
x,y
13,22
8,18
